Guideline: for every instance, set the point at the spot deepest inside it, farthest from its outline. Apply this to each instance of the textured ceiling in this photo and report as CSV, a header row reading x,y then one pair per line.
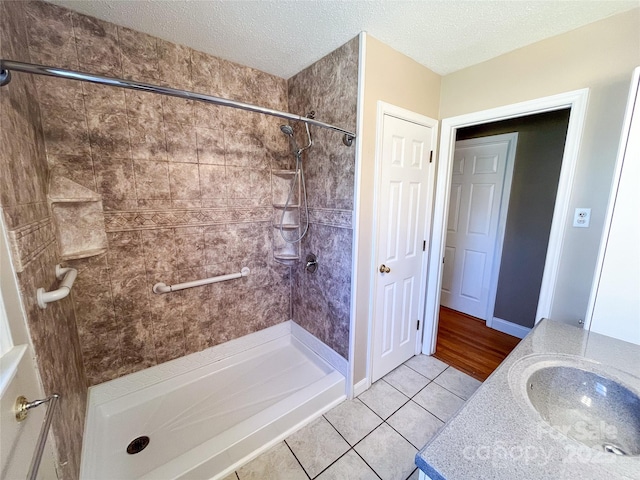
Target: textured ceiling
x,y
284,36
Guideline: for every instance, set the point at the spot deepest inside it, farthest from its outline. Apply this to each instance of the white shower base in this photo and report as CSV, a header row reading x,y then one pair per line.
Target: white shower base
x,y
207,413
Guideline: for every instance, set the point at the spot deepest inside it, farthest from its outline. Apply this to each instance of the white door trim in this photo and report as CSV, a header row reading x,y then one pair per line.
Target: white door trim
x,y
383,109
575,100
351,389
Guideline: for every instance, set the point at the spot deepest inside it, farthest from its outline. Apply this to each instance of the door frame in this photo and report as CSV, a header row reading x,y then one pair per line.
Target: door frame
x,y
383,109
18,365
576,100
505,193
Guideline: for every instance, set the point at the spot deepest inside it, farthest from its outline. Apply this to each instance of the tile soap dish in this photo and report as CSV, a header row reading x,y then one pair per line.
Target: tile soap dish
x,y
78,218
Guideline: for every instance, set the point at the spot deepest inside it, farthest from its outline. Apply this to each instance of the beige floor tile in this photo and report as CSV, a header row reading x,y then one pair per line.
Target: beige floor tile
x,y
426,365
438,401
406,380
349,467
383,399
457,382
390,455
353,419
317,446
275,464
415,424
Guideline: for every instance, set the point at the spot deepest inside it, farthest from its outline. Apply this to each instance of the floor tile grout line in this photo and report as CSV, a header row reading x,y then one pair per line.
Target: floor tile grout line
x,y
408,398
331,464
342,436
294,456
328,466
410,443
425,409
392,428
397,388
430,379
453,393
429,411
361,440
413,369
411,474
434,381
374,412
365,462
383,419
420,373
352,447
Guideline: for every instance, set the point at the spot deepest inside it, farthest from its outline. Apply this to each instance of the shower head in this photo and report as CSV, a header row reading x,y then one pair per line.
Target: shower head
x,y
287,130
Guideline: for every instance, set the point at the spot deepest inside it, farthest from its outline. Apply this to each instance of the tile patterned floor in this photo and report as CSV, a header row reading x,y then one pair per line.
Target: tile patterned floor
x,y
374,436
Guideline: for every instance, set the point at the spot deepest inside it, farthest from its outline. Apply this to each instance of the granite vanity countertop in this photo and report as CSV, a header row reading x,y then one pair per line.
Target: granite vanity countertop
x,y
494,437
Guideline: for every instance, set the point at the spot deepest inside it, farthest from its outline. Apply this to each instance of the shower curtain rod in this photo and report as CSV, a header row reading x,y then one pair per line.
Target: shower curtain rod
x,y
7,66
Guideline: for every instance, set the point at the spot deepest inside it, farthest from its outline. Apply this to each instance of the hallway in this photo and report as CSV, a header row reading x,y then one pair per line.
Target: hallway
x,y
466,343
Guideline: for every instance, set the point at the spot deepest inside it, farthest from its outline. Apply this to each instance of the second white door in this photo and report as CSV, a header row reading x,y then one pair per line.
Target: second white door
x,y
480,187
404,208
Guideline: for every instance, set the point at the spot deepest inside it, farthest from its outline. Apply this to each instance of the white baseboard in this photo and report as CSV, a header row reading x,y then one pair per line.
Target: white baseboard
x,y
360,387
509,328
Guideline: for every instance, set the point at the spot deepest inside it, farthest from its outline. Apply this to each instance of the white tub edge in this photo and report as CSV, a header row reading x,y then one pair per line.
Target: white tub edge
x,y
265,437
107,391
321,349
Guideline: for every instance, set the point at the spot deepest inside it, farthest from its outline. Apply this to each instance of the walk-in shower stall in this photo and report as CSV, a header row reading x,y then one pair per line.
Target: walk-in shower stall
x,y
187,198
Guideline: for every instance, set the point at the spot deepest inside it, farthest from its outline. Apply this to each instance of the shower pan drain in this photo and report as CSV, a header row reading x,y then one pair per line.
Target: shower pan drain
x,y
137,445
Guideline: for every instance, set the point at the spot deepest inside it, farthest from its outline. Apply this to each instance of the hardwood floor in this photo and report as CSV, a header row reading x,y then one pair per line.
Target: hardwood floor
x,y
466,343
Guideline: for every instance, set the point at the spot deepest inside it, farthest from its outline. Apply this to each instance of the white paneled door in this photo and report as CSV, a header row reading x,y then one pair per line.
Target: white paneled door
x,y
480,186
403,210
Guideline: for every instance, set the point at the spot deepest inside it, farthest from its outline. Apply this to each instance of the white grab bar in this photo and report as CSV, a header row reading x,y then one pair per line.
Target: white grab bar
x,y
68,276
164,288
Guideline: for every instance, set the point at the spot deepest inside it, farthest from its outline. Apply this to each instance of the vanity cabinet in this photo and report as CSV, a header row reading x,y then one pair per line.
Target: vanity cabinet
x,y
614,306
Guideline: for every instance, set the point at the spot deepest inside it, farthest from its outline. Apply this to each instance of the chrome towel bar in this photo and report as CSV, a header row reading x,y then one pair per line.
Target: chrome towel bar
x,y
164,288
68,276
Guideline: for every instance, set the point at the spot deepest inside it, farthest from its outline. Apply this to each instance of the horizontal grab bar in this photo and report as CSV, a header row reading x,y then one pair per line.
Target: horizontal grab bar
x,y
68,276
164,288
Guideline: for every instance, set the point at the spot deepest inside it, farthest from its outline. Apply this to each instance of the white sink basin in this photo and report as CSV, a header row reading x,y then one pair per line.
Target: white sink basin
x,y
581,400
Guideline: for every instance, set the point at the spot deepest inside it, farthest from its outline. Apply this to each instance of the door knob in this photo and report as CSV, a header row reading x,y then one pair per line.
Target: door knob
x,y
384,269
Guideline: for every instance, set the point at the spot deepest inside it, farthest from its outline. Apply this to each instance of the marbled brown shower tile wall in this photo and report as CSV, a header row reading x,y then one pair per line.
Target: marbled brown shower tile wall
x,y
321,301
23,174
186,189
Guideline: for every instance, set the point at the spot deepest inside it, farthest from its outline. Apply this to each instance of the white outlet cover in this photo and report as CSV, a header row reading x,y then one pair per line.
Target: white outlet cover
x,y
582,217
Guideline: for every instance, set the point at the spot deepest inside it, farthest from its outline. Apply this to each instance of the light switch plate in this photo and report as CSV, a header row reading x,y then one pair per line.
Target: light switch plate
x,y
582,217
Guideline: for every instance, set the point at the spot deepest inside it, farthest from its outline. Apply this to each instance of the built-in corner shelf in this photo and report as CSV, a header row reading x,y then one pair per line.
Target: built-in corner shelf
x,y
286,221
78,218
284,173
293,226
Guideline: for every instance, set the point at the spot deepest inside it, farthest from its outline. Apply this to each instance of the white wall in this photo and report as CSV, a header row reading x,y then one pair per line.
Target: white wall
x,y
600,56
616,297
396,79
